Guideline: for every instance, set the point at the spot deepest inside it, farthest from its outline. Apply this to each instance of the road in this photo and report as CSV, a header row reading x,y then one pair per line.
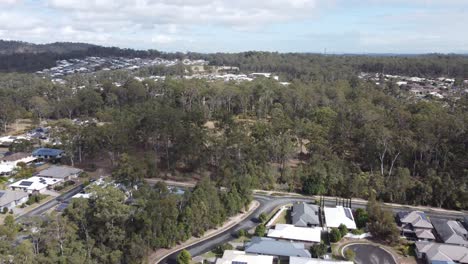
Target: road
x,y
331,201
370,254
46,206
268,204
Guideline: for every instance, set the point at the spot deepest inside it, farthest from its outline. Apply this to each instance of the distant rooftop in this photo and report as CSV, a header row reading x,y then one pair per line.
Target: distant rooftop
x,y
59,172
47,152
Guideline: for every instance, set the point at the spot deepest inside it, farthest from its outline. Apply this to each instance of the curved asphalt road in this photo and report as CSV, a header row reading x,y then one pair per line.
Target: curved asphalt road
x,y
267,204
370,254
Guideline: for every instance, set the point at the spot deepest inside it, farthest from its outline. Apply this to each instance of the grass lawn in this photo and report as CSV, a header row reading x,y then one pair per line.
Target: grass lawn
x,y
209,254
284,217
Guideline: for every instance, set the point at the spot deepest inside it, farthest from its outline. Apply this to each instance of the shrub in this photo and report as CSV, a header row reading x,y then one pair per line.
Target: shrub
x,y
184,257
58,188
319,250
219,250
343,230
335,235
349,254
242,233
357,231
260,230
262,218
5,210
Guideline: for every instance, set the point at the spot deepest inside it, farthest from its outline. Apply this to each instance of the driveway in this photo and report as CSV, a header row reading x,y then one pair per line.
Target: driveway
x,y
370,254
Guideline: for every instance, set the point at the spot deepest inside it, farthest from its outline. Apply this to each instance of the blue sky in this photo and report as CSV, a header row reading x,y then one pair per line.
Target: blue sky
x,y
340,26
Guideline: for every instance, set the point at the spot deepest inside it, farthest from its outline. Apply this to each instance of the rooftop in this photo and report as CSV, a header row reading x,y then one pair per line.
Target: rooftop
x,y
7,196
269,246
417,219
298,260
304,214
47,152
443,252
35,183
234,256
451,232
16,156
291,232
336,216
59,172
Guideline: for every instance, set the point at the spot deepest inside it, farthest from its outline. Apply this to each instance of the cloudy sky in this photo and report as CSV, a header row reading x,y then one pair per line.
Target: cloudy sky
x,y
340,26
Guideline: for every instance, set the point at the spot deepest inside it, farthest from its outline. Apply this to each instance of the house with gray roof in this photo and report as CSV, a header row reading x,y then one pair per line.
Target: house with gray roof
x,y
305,215
415,225
272,247
432,253
451,232
11,199
60,172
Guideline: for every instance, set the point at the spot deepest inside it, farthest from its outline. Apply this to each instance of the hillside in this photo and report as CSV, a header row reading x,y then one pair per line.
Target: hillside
x,y
17,56
19,47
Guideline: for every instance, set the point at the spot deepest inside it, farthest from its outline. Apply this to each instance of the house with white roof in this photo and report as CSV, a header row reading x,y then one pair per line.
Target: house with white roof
x,y
9,163
335,216
35,184
8,140
234,256
299,260
291,232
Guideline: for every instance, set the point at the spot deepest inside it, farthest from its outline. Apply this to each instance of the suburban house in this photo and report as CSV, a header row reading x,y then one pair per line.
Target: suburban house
x,y
35,184
48,153
290,232
415,226
11,199
272,247
431,253
305,215
451,232
8,140
8,163
234,256
60,172
16,158
335,216
299,260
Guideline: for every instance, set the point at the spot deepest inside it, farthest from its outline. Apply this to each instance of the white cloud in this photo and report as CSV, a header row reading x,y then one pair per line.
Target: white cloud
x,y
185,24
162,39
9,2
177,12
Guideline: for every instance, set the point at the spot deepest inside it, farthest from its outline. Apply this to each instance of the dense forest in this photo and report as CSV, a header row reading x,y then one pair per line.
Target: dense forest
x,y
327,133
107,229
318,137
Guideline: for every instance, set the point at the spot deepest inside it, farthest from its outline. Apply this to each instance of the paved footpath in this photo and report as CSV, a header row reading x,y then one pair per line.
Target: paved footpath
x,y
160,254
